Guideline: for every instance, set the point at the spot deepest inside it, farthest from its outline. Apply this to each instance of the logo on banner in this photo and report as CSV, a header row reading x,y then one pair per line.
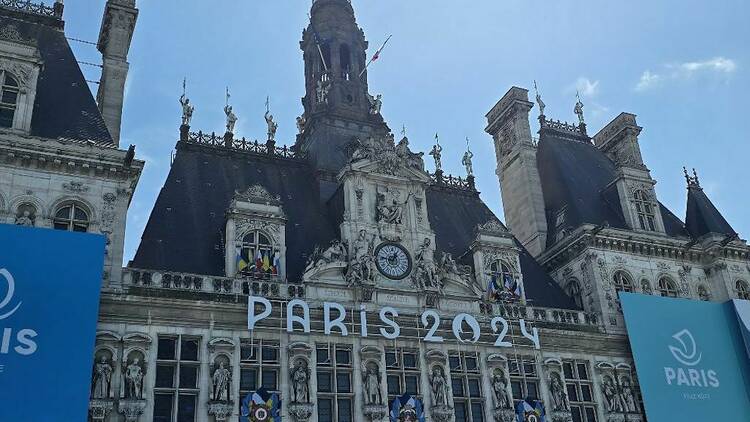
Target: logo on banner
x,y
686,355
5,303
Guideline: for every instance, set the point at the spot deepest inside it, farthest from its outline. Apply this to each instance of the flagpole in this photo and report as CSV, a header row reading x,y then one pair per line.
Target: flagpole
x,y
375,56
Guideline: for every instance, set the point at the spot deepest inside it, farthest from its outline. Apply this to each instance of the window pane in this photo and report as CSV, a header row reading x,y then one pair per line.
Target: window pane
x,y
474,389
394,385
10,81
460,412
455,362
343,383
270,354
61,226
189,350
586,393
248,352
163,407
321,356
186,408
590,414
533,390
188,376
325,411
390,359
63,212
410,360
249,238
263,240
6,117
248,379
458,387
412,384
343,357
80,228
582,371
572,392
164,376
517,391
325,382
529,368
10,97
80,214
471,363
568,370
269,379
345,410
477,412
576,413
166,349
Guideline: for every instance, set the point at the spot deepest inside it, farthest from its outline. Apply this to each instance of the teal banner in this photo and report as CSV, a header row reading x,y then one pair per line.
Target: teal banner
x,y
690,358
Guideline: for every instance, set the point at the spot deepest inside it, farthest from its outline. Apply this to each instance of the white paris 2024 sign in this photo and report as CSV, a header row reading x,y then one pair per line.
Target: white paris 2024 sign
x,y
388,316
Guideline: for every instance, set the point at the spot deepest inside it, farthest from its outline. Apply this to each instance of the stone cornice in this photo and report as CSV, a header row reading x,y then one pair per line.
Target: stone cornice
x,y
642,244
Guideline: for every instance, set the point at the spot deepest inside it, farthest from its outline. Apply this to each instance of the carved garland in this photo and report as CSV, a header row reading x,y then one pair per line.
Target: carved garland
x,y
245,226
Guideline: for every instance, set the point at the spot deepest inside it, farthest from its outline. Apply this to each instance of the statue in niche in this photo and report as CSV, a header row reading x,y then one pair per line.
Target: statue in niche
x,y
376,103
410,158
372,384
627,397
500,388
231,118
102,381
221,383
559,398
361,260
272,126
25,218
300,382
187,110
614,401
389,209
439,387
134,380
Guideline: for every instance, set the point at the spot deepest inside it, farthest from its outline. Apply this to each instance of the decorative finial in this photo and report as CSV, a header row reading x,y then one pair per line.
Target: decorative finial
x,y
403,131
693,180
231,117
578,110
436,153
468,155
539,101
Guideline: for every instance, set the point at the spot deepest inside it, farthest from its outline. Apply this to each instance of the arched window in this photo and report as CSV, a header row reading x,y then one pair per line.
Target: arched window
x,y
257,255
345,60
573,289
622,282
668,288
703,293
71,217
504,283
645,210
743,292
8,98
646,287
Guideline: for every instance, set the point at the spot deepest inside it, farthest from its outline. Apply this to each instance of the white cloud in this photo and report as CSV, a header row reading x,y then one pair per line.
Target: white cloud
x,y
686,70
648,80
585,87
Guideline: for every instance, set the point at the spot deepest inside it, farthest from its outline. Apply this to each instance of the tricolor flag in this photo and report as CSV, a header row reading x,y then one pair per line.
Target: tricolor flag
x,y
258,260
241,262
511,285
375,56
276,263
492,288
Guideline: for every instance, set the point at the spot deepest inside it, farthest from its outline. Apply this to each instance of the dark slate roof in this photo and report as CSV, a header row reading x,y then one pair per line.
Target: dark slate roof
x,y
64,107
454,216
703,217
577,176
185,230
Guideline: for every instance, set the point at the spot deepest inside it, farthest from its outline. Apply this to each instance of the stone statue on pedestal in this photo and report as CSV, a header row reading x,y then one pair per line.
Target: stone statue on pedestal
x,y
436,153
559,398
220,380
272,126
376,103
231,118
300,382
439,387
102,381
578,110
134,380
468,155
372,385
187,110
500,388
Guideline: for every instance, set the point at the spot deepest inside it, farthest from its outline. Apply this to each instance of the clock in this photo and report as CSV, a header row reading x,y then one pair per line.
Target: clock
x,y
393,261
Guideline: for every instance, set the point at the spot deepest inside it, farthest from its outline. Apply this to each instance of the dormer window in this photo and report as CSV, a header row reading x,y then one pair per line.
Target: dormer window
x,y
257,257
9,90
645,211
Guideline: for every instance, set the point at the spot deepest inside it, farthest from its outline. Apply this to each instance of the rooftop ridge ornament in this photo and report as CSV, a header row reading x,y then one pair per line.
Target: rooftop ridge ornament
x,y
272,126
466,161
539,101
231,117
578,110
692,181
436,154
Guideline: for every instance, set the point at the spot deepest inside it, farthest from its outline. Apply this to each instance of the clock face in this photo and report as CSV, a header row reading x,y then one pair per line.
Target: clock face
x,y
393,261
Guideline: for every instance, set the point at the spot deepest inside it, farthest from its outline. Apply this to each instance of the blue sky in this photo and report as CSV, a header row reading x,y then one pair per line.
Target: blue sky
x,y
681,66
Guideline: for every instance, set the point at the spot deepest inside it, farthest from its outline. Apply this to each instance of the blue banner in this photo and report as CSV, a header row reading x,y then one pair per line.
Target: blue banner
x,y
49,299
690,358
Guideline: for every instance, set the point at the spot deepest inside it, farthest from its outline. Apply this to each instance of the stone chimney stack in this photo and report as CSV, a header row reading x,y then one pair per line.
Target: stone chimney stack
x,y
520,185
115,36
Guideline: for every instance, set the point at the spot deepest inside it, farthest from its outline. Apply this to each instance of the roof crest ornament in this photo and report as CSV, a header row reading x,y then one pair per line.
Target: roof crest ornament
x,y
692,181
539,101
578,110
256,194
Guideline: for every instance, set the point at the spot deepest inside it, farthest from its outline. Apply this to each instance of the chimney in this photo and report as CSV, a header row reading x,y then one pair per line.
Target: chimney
x,y
115,36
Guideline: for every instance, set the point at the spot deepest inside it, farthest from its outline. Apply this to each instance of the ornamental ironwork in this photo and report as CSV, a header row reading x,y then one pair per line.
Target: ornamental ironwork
x,y
29,7
243,145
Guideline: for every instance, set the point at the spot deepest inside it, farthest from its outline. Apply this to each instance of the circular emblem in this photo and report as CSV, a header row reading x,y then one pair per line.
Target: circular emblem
x,y
260,414
393,261
4,304
532,417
